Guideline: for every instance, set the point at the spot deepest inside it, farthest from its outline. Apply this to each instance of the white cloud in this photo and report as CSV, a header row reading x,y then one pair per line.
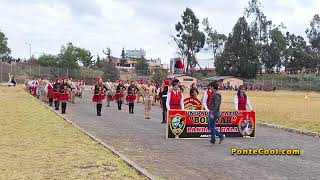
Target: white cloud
x,y
96,24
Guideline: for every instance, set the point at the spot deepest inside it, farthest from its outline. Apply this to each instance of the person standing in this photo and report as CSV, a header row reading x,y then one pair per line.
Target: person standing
x,y
56,93
193,91
64,95
73,91
49,90
131,96
241,101
148,98
109,87
163,95
214,113
175,98
206,98
120,94
99,95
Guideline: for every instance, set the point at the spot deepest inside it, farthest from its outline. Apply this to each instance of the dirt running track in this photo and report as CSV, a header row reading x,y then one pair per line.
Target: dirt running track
x,y
144,142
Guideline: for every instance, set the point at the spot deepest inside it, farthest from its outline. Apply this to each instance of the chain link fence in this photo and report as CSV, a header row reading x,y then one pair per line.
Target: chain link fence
x,y
23,72
289,84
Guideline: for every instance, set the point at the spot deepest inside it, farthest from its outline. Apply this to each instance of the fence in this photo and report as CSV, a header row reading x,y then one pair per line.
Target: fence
x,y
288,84
23,71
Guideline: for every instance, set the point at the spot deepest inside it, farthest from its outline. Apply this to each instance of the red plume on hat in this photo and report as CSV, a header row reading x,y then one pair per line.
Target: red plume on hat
x,y
166,82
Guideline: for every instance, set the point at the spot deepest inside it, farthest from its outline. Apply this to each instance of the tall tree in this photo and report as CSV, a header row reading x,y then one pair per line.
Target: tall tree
x,y
84,56
313,34
68,56
48,60
214,40
273,53
110,71
189,39
239,57
260,27
142,66
108,53
4,49
98,63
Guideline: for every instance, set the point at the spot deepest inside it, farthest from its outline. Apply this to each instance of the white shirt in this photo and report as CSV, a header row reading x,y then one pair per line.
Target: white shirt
x,y
236,103
168,101
204,100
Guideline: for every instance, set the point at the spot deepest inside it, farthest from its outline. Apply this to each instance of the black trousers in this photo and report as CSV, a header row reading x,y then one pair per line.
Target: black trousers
x,y
164,110
131,107
56,104
119,104
50,101
99,107
63,107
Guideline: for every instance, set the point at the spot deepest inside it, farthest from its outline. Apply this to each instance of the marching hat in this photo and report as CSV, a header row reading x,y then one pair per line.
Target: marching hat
x,y
175,82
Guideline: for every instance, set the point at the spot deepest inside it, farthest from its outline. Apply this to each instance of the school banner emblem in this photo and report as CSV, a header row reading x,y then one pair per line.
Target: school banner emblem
x,y
192,104
186,124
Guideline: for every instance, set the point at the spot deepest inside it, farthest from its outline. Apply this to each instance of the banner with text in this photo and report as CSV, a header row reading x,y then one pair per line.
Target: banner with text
x,y
194,124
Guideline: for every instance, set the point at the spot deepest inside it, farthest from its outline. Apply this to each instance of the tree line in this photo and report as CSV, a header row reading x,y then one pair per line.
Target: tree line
x,y
255,44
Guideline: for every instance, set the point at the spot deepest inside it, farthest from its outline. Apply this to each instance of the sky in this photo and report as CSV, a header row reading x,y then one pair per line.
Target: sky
x,y
148,24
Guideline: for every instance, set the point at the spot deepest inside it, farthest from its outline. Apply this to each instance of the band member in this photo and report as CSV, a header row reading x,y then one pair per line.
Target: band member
x,y
49,90
73,91
81,88
64,95
56,93
149,92
99,95
214,114
140,93
131,96
241,101
109,92
194,91
163,95
206,98
175,98
120,94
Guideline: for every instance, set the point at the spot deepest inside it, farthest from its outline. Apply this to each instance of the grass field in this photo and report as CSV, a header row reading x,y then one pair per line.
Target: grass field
x,y
37,144
285,108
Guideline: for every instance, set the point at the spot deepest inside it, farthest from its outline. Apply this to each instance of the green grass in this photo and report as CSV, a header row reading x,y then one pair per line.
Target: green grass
x,y
37,144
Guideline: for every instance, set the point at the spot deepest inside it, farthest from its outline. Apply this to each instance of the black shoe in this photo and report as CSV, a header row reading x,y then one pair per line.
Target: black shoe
x,y
211,142
221,139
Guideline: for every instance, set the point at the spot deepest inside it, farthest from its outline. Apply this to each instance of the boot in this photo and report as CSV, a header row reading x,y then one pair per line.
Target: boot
x,y
120,104
57,105
99,109
63,107
163,117
50,101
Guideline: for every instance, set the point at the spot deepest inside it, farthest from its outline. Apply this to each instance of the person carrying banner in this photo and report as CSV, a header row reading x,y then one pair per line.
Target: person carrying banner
x,y
64,95
214,113
175,98
241,101
206,98
131,96
99,95
120,94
